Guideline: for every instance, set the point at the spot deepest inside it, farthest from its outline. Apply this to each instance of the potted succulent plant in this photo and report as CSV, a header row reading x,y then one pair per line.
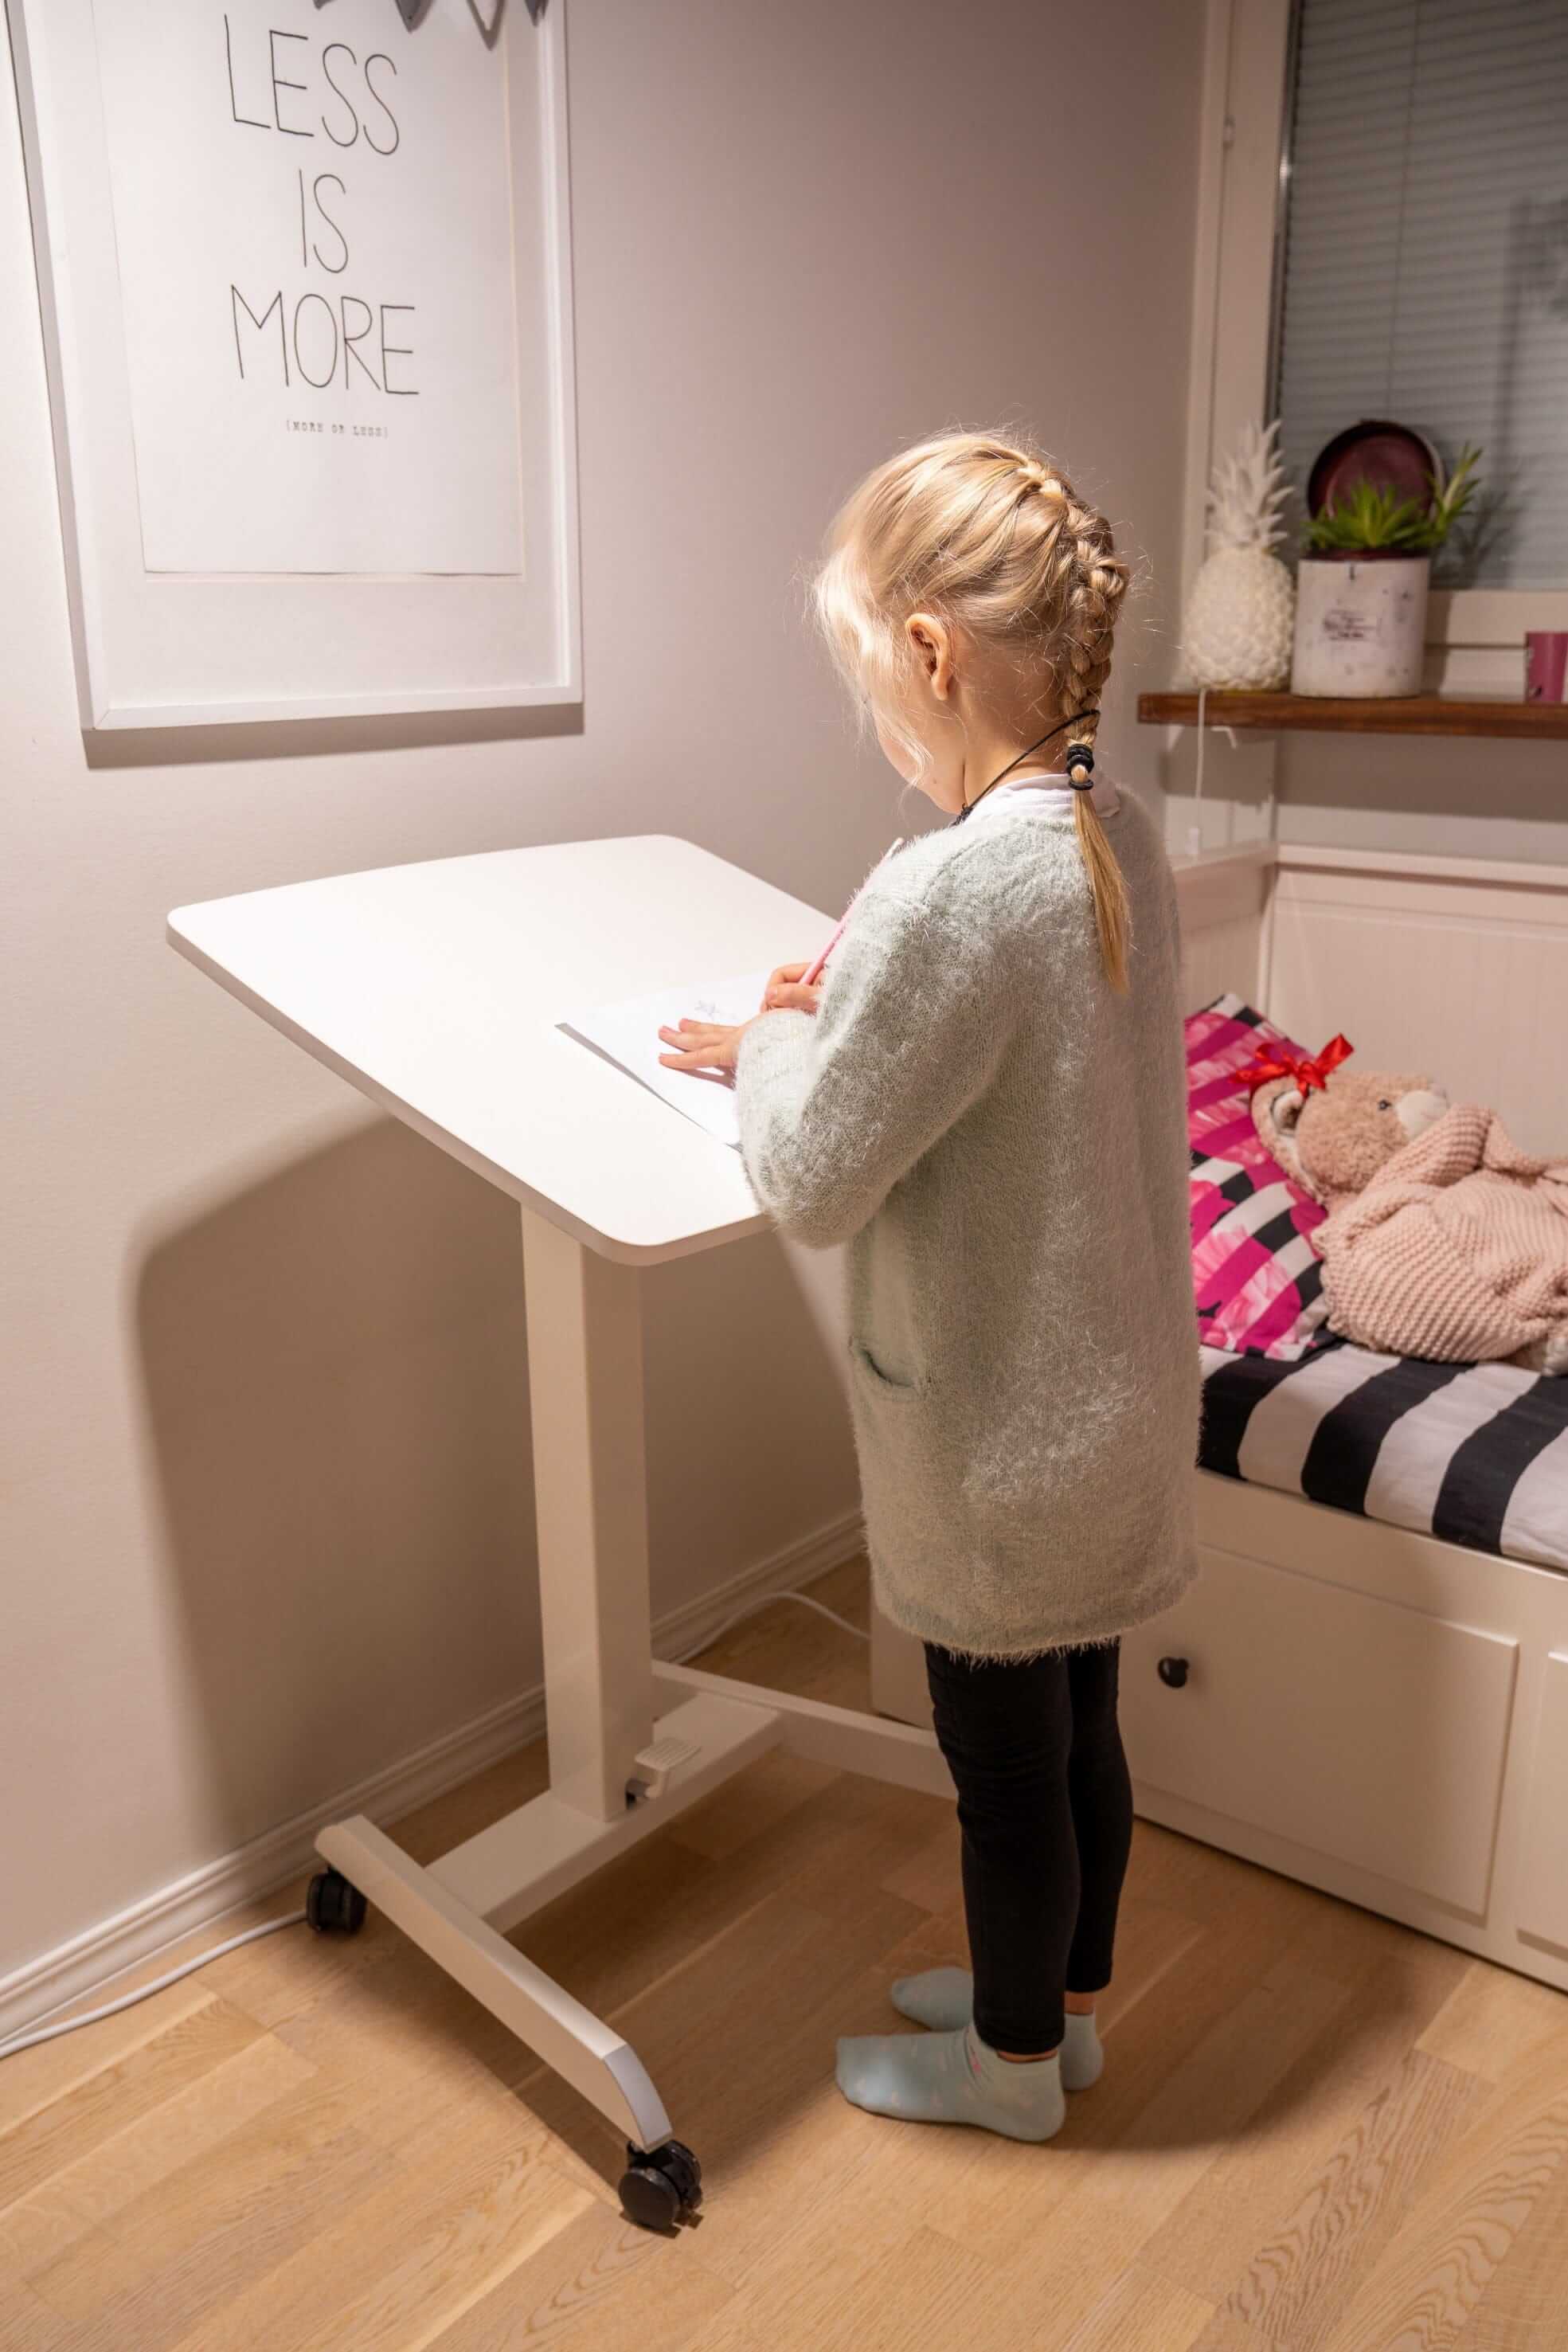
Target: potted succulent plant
x,y
1362,584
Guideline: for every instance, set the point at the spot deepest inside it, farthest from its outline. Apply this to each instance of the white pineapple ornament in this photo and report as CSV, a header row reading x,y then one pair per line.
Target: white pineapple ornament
x,y
1240,615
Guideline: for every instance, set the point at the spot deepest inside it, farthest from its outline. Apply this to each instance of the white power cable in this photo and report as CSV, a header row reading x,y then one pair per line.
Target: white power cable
x,y
764,1601
1195,831
142,1992
296,1918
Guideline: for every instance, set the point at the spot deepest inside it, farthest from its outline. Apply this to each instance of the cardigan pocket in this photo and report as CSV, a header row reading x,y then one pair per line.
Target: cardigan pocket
x,y
878,1383
901,1487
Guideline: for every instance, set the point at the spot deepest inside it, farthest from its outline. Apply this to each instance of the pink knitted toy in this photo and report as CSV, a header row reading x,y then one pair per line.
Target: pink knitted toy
x,y
1444,1240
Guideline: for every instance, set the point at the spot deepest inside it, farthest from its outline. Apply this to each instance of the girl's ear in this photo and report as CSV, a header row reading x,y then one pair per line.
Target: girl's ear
x,y
931,641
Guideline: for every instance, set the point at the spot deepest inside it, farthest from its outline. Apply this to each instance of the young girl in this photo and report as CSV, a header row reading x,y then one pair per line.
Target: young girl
x,y
984,1097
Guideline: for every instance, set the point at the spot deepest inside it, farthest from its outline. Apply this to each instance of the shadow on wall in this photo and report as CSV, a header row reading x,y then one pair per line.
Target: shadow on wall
x,y
1455,796
1479,797
337,1394
336,1390
750,1449
290,739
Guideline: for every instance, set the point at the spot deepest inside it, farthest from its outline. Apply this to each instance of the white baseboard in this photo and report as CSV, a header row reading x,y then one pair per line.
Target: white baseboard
x,y
129,1938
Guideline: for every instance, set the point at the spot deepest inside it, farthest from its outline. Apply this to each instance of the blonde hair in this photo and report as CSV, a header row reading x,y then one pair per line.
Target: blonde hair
x,y
993,538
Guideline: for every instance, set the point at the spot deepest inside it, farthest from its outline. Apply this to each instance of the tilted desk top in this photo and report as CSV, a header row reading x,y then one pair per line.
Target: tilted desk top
x,y
435,988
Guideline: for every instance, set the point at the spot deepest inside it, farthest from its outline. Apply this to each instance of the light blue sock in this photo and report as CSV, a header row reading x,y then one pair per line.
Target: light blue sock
x,y
952,2078
945,1997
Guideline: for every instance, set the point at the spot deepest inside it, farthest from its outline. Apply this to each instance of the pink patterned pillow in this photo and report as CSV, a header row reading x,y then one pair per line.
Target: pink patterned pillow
x,y
1256,1279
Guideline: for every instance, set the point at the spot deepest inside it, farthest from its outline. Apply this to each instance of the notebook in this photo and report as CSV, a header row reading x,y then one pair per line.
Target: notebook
x,y
627,1034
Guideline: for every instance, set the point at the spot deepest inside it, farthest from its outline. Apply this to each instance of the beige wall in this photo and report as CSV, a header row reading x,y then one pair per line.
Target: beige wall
x,y
1452,797
267,1518
1446,796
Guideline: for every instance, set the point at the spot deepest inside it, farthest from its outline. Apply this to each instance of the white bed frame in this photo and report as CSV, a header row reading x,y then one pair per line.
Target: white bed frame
x,y
1376,1713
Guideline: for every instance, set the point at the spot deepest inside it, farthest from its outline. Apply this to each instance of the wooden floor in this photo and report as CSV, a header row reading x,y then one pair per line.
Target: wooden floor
x,y
1316,2132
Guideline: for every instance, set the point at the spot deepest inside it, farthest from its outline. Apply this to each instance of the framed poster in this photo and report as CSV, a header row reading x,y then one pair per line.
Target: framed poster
x,y
304,267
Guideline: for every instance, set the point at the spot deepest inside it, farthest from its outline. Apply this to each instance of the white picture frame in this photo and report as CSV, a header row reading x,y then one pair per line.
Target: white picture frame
x,y
172,646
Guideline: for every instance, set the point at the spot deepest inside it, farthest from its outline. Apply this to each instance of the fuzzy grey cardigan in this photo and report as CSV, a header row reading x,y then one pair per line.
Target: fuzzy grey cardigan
x,y
1001,1139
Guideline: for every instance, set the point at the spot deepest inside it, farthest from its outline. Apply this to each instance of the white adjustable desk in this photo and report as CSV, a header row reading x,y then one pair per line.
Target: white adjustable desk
x,y
434,989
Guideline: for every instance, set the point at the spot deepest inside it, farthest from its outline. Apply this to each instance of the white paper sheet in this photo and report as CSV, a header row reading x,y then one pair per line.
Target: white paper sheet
x,y
627,1035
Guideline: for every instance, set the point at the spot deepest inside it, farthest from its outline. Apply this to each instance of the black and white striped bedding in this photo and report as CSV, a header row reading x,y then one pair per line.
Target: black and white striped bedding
x,y
1476,1453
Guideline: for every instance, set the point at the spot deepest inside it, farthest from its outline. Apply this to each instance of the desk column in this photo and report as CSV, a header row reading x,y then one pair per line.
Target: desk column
x,y
585,1380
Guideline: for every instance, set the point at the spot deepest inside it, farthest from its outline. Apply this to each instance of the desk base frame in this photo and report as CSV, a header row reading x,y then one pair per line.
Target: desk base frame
x,y
601,1681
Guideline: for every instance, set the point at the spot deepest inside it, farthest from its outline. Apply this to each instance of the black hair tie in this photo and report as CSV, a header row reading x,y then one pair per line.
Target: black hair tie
x,y
1080,755
1080,752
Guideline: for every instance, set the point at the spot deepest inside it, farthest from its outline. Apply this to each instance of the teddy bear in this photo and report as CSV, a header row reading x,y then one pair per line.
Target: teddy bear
x,y
1442,1239
1330,1129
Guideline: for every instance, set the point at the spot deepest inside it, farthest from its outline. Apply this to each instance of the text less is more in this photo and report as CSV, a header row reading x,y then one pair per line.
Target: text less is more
x,y
314,338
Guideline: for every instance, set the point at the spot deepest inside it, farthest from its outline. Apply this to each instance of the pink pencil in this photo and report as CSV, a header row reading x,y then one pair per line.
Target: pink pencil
x,y
813,971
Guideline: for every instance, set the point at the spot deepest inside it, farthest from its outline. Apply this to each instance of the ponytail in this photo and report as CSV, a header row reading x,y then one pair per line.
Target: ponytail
x,y
1105,878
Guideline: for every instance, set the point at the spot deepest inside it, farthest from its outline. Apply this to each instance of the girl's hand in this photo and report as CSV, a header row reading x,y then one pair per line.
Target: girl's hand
x,y
704,1048
784,992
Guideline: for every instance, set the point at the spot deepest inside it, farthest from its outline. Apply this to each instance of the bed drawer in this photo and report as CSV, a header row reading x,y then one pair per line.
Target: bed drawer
x,y
1354,1727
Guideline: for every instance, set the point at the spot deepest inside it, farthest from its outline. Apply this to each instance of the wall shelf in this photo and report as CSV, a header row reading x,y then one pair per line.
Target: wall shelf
x,y
1415,714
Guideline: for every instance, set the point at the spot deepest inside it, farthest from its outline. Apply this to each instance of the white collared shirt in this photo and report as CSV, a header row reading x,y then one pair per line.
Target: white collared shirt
x,y
1049,795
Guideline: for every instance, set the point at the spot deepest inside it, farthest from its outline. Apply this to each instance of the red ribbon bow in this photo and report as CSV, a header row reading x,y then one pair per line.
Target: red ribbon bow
x,y
1309,1070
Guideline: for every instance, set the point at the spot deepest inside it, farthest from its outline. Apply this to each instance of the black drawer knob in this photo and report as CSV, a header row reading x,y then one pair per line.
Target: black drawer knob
x,y
1173,1673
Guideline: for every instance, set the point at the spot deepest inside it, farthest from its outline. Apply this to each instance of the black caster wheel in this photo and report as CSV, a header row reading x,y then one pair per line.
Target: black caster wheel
x,y
661,2185
332,1906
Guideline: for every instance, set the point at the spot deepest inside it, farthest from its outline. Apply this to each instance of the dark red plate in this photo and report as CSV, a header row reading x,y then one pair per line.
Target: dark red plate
x,y
1374,451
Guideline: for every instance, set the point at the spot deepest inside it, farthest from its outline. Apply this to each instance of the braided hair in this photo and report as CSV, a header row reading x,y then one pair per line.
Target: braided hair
x,y
992,535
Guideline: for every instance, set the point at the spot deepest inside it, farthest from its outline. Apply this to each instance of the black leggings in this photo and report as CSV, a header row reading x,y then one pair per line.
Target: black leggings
x,y
1045,1807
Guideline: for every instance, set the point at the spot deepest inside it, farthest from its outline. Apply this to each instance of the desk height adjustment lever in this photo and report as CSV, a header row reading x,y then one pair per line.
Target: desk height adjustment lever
x,y
656,1763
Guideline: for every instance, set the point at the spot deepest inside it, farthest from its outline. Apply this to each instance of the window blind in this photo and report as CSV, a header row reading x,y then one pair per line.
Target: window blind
x,y
1426,262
